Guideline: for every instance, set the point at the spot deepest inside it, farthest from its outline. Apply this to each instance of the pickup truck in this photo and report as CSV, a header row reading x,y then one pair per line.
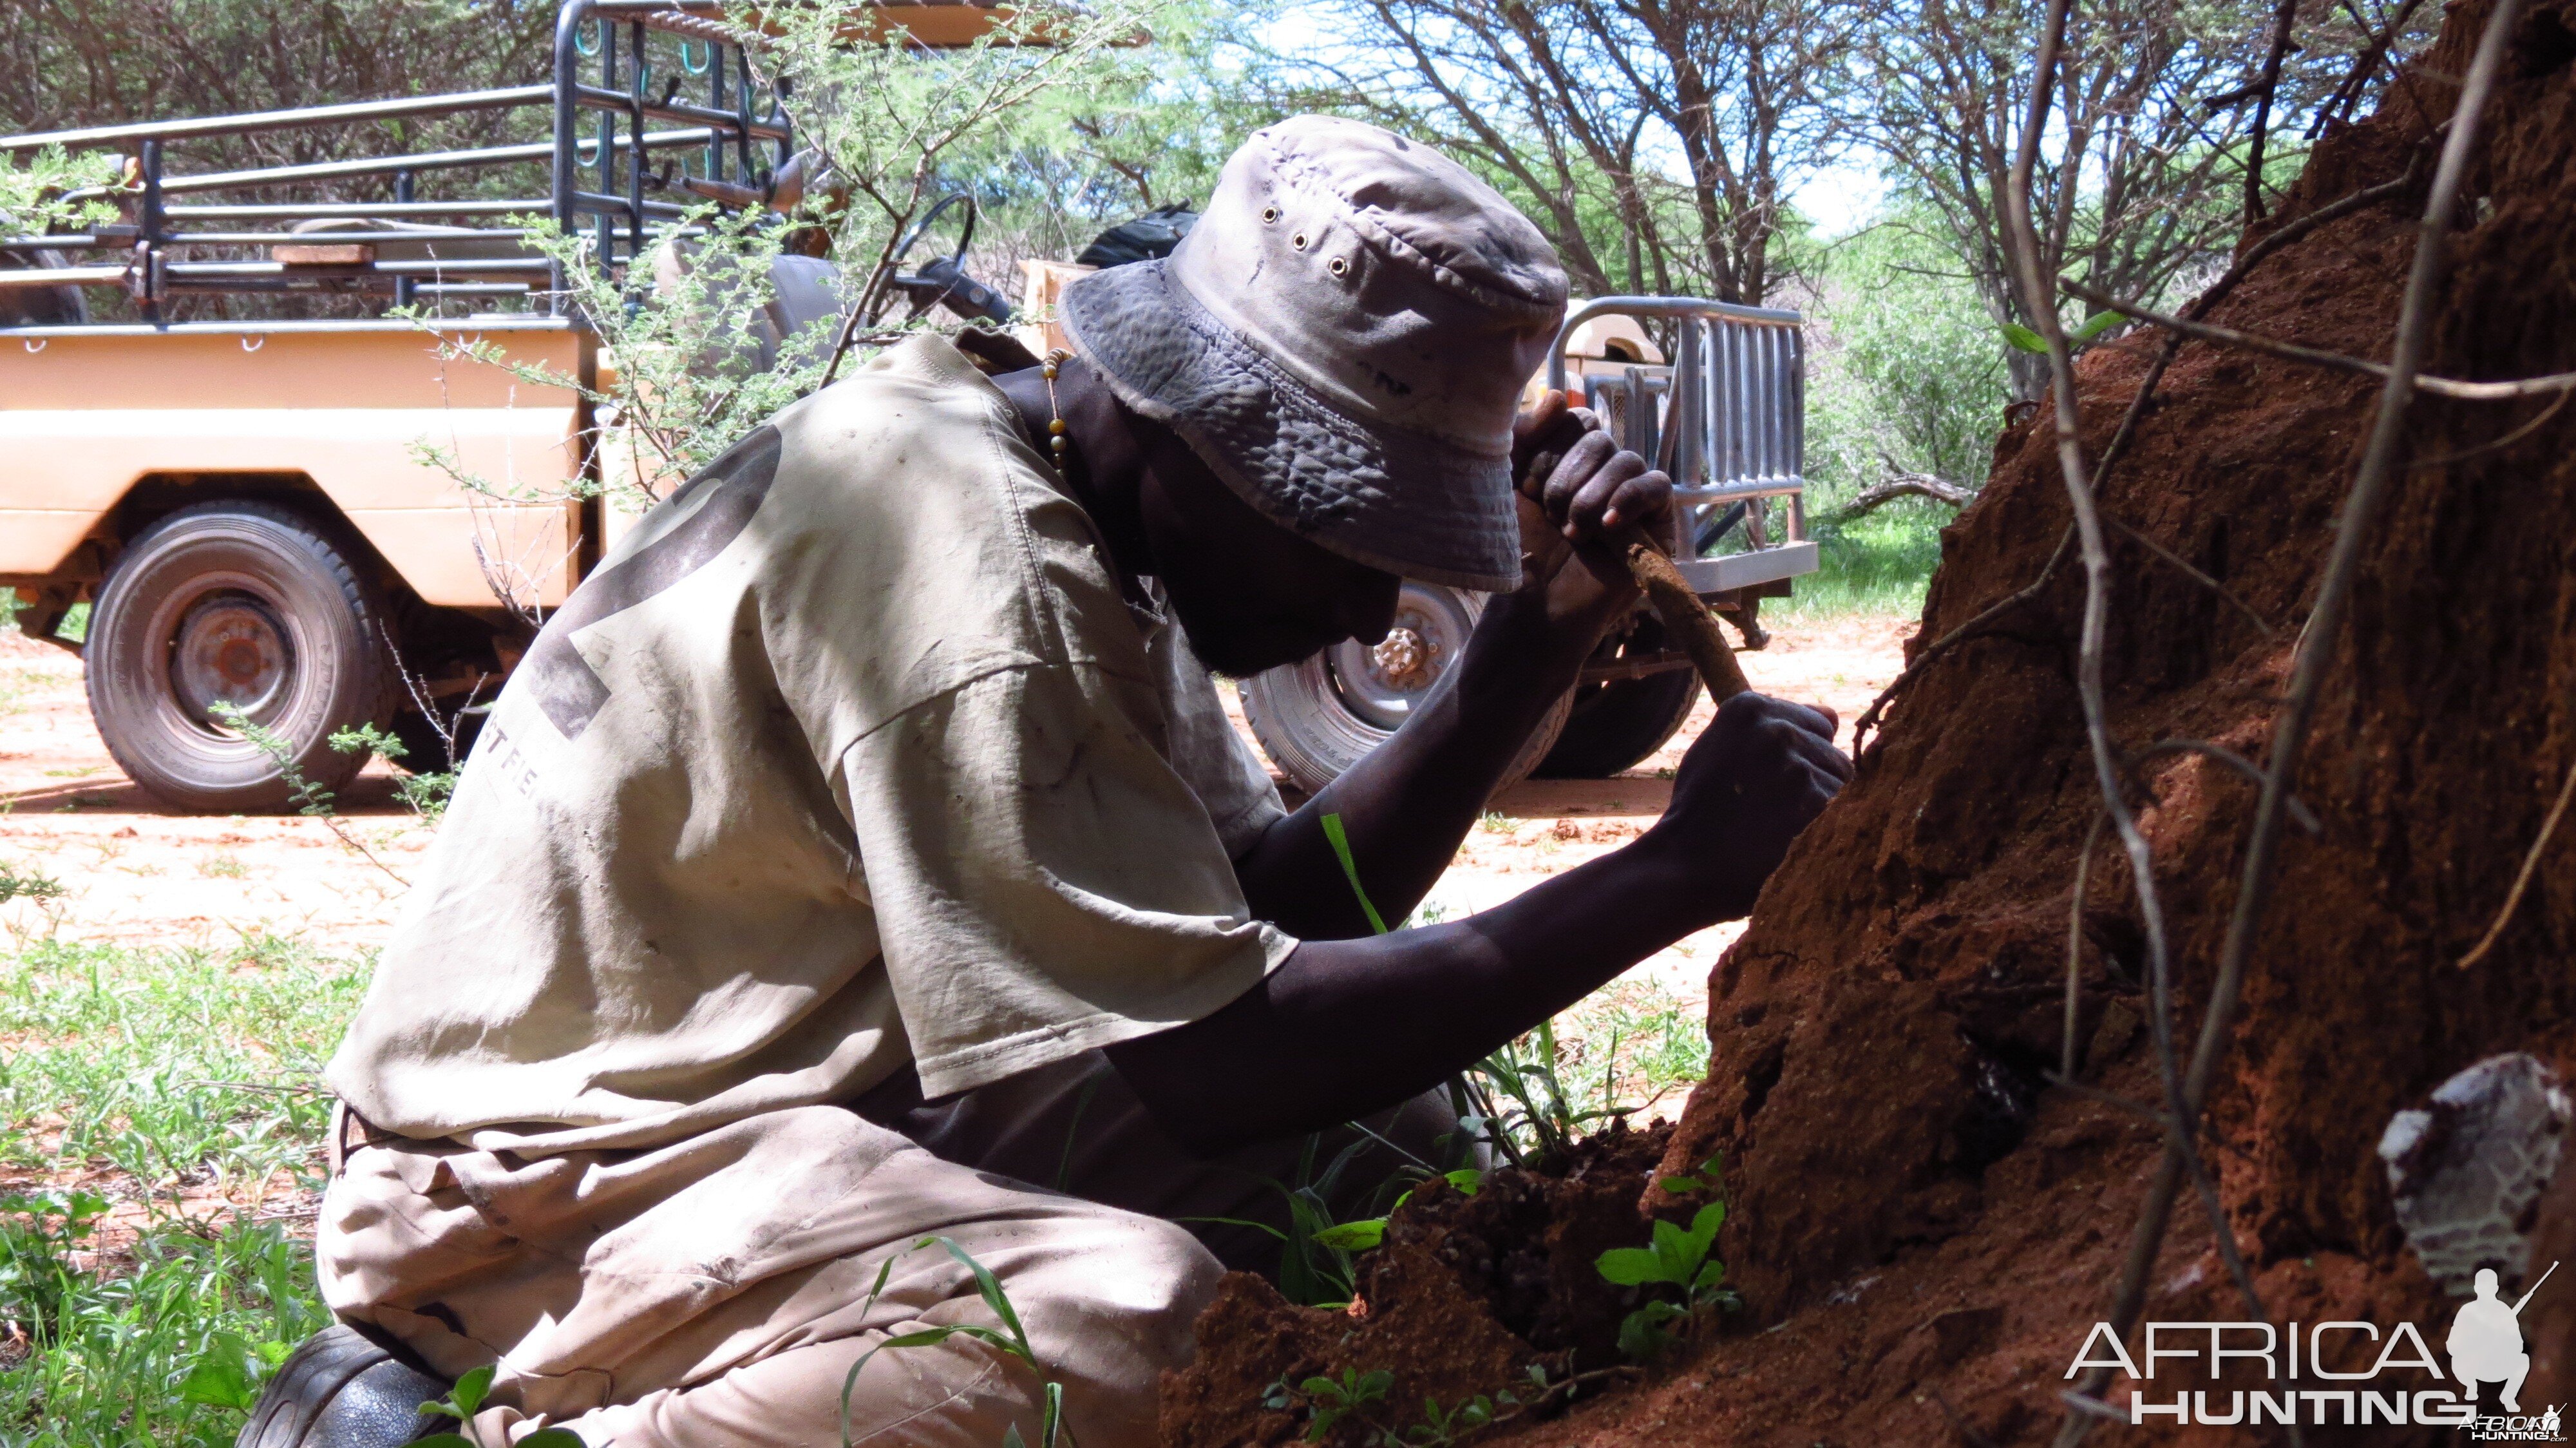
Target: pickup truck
x,y
251,510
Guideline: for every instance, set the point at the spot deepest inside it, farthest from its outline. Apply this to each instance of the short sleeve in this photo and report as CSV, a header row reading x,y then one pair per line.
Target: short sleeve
x,y
1044,881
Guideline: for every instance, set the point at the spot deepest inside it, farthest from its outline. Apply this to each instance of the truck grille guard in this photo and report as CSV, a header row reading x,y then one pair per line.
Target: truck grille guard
x,y
1726,419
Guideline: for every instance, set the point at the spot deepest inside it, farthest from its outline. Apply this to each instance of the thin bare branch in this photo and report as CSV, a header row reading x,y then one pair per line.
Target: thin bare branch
x,y
2556,382
2285,15
2522,880
2034,273
2075,947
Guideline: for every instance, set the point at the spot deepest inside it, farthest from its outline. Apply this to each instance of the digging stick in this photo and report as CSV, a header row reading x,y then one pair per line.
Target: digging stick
x,y
1686,619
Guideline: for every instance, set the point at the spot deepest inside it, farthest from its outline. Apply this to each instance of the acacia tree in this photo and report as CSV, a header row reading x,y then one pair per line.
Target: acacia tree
x,y
899,124
1652,140
2149,135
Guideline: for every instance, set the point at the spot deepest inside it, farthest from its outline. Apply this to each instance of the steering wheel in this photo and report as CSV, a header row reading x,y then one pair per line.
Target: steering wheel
x,y
942,281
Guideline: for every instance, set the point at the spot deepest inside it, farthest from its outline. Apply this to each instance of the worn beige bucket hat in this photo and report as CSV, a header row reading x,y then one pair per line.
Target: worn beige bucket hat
x,y
1343,337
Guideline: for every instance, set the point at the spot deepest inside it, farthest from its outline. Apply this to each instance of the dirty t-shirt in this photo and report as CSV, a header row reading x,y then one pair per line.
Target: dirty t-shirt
x,y
852,754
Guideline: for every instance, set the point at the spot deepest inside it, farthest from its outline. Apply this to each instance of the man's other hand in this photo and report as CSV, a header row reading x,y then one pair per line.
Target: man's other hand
x,y
1755,777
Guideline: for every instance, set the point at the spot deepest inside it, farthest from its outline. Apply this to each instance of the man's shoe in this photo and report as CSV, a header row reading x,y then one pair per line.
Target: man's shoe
x,y
340,1390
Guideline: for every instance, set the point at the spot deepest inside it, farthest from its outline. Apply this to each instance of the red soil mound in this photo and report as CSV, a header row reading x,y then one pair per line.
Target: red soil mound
x,y
1925,1232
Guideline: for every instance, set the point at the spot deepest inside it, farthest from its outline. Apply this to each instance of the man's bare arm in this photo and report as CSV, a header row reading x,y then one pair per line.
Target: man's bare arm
x,y
1347,1027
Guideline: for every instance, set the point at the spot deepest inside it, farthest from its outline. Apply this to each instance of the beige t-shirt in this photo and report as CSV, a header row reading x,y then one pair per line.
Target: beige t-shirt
x,y
852,754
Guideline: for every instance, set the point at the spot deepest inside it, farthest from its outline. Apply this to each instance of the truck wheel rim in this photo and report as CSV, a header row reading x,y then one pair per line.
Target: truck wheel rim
x,y
1380,684
229,648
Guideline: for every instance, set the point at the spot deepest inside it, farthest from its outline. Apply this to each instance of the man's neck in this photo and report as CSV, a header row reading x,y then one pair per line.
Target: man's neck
x,y
1102,464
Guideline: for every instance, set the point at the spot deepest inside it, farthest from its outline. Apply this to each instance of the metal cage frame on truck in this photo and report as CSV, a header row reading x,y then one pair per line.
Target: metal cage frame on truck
x,y
725,129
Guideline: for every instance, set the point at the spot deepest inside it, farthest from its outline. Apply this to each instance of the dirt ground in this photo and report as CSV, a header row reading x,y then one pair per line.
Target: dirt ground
x,y
138,874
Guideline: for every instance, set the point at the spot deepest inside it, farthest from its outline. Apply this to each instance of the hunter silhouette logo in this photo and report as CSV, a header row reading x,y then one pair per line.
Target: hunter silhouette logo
x,y
2486,1341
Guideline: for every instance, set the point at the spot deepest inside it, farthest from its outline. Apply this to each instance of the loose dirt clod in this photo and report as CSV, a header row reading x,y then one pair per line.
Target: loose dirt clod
x,y
1925,1230
1466,1295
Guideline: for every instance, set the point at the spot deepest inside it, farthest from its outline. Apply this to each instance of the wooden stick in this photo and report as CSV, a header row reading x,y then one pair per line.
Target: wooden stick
x,y
1685,617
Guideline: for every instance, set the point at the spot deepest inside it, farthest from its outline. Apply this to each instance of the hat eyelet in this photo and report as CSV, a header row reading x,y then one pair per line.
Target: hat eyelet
x,y
1269,215
1298,241
1340,266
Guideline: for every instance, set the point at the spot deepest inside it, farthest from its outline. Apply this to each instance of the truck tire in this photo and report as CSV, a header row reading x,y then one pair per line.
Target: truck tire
x,y
1321,715
1615,724
243,603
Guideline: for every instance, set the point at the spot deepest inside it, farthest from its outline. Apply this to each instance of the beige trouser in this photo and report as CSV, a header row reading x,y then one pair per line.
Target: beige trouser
x,y
721,1289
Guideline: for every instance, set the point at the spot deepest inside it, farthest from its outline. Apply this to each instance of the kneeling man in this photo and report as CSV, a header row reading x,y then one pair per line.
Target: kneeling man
x,y
862,855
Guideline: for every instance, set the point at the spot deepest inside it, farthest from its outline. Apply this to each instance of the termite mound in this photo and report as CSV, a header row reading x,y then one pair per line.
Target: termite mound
x,y
1923,1228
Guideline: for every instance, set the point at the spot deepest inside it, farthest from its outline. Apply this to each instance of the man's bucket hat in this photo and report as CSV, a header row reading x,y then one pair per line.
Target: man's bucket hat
x,y
1343,337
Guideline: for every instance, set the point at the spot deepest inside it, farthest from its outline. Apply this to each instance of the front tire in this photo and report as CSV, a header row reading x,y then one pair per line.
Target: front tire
x,y
245,604
1617,723
1319,716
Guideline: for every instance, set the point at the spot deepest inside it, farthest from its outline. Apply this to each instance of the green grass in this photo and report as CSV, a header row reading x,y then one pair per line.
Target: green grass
x,y
143,1090
1631,1044
1880,564
113,1351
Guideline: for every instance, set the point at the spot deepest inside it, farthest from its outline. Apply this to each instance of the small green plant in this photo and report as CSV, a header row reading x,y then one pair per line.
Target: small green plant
x,y
1009,1338
1676,1265
224,867
1441,1427
38,1234
1365,1234
426,792
1519,1101
464,1401
1346,1403
1494,822
1523,1073
1340,840
310,798
1330,1400
228,1373
1316,1266
31,886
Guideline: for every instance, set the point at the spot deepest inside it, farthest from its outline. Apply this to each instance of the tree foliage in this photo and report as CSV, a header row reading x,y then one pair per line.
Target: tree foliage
x,y
1908,375
900,125
2146,146
67,63
1653,141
